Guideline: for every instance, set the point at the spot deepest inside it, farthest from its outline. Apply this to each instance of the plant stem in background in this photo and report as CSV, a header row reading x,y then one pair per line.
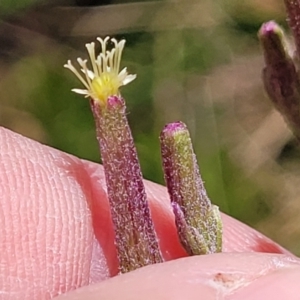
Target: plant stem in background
x,y
136,240
198,222
280,76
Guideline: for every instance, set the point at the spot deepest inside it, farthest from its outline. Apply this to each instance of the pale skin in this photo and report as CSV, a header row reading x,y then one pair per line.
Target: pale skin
x,y
57,236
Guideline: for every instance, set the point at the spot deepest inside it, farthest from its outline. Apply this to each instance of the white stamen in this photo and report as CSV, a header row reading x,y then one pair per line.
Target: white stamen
x,y
106,62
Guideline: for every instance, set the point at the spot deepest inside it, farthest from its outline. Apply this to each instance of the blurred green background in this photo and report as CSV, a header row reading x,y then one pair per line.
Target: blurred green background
x,y
197,61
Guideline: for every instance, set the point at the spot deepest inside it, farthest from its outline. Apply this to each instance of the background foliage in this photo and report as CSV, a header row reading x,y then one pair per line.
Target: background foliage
x,y
197,61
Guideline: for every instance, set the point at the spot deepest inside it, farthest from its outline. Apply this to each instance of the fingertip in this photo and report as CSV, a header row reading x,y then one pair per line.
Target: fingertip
x,y
215,276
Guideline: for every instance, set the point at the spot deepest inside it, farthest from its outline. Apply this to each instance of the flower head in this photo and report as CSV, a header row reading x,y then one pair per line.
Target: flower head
x,y
104,79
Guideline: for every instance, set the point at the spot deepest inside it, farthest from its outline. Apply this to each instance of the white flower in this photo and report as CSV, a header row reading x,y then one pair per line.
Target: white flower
x,y
104,79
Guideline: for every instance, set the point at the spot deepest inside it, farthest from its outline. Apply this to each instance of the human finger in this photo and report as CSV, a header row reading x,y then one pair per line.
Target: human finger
x,y
228,276
57,231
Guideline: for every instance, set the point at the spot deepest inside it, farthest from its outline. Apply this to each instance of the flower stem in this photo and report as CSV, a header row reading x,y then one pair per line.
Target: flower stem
x,y
136,240
198,222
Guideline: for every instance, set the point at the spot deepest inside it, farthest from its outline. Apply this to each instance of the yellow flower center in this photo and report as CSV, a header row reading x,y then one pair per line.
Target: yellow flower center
x,y
105,85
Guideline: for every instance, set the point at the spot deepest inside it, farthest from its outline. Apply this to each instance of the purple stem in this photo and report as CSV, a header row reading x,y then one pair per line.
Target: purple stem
x,y
136,239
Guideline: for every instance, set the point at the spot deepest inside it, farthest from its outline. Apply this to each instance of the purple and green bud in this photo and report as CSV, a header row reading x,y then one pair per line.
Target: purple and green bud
x,y
273,43
280,76
198,222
